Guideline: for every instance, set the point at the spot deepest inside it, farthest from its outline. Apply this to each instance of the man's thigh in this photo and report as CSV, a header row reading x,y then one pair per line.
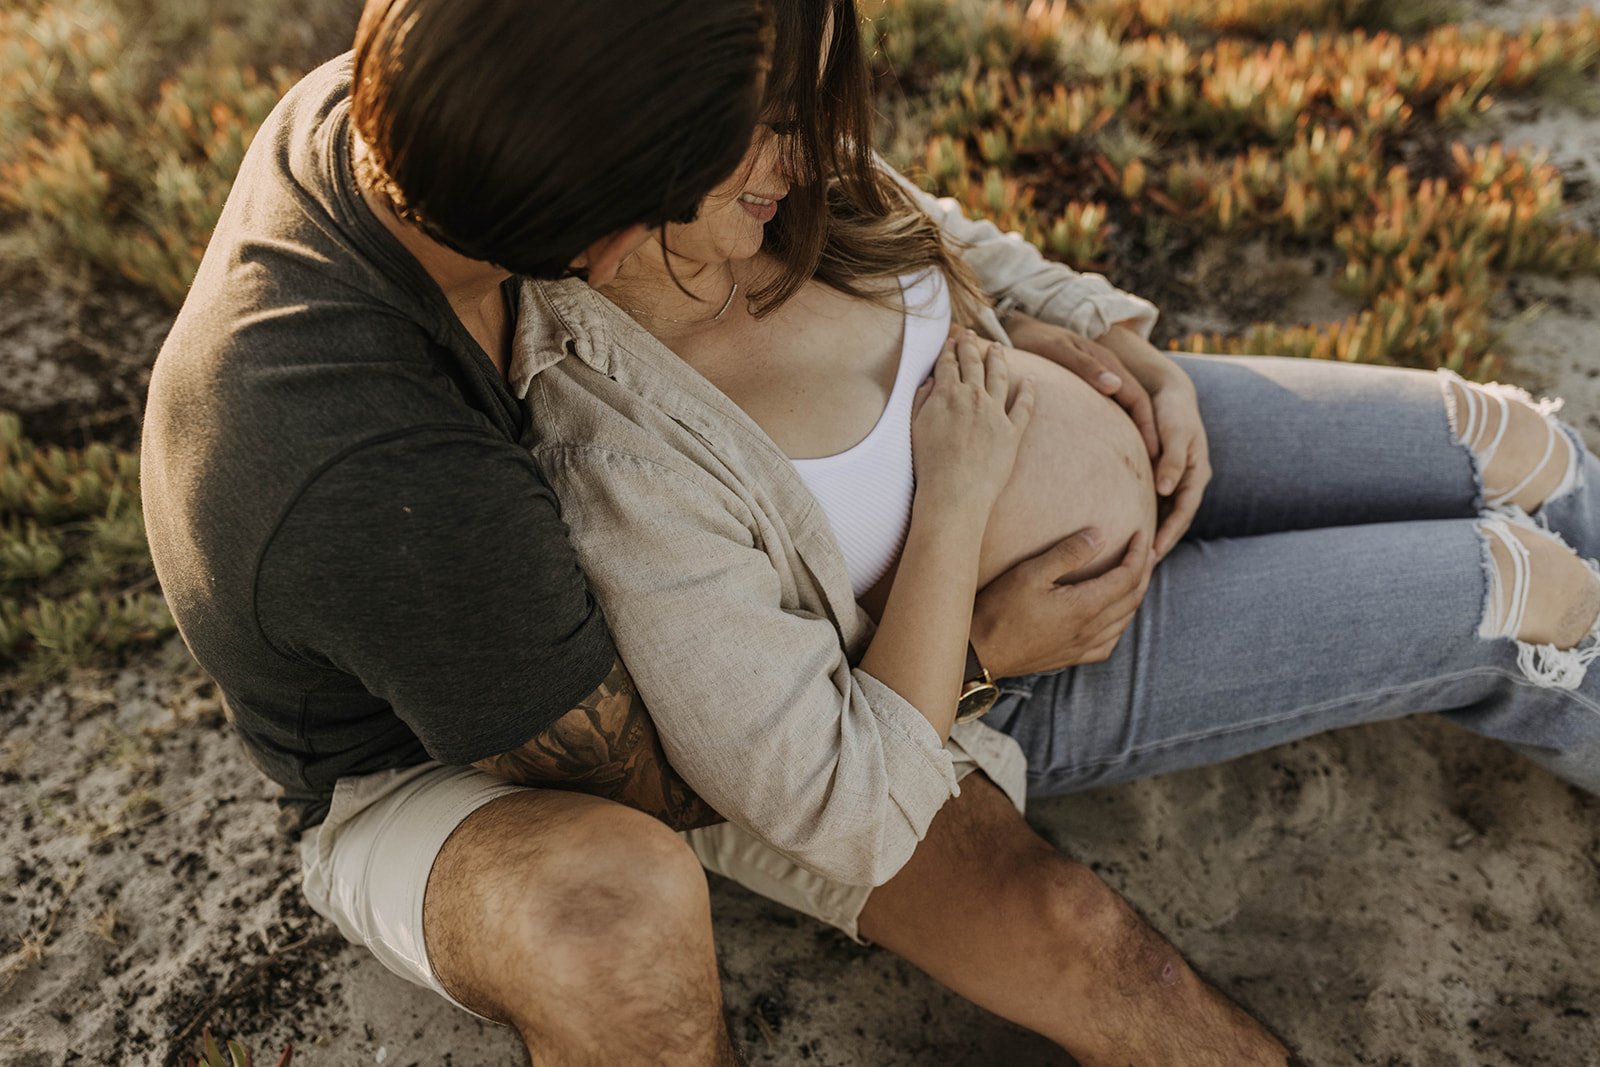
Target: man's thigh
x,y
441,871
366,867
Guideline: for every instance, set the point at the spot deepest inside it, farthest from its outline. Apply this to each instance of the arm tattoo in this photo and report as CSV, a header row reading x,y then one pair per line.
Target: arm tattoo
x,y
608,747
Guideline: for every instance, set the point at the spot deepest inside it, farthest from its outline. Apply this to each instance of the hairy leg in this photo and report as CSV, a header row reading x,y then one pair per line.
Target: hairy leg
x,y
585,925
990,909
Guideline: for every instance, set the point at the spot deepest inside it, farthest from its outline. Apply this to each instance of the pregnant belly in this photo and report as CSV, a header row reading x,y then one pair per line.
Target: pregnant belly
x,y
1082,463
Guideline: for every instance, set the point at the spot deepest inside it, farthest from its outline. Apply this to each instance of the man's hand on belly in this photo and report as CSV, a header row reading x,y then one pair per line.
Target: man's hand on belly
x,y
1183,468
608,747
1025,623
1091,361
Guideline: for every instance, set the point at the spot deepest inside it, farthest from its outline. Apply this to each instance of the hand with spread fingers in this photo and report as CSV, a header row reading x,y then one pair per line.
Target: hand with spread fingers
x,y
1027,621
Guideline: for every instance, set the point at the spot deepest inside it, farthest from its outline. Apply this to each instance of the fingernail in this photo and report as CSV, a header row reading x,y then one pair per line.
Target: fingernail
x,y
1165,487
1094,537
1107,380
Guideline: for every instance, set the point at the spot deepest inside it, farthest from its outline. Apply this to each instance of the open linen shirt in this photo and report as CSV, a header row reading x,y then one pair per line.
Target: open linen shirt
x,y
725,589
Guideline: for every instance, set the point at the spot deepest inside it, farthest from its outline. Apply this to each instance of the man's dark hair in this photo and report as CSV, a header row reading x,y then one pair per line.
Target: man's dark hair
x,y
519,132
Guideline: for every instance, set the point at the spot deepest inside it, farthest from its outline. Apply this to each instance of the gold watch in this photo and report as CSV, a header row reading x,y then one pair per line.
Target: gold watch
x,y
978,692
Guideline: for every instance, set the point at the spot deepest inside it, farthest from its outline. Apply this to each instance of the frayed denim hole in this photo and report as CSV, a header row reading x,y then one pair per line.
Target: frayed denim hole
x,y
1452,425
1545,407
1572,480
1489,613
1545,666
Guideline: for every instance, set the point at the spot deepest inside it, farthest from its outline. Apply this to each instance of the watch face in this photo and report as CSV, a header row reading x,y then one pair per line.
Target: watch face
x,y
976,702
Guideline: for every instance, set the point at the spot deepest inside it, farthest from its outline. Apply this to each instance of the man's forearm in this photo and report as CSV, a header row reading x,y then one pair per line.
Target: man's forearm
x,y
608,747
1147,362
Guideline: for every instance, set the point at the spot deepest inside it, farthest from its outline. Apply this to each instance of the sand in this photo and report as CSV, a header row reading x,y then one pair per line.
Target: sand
x,y
1400,894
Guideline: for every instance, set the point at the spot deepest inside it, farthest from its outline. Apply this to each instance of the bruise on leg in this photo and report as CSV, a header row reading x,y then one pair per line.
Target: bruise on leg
x,y
1541,595
1522,456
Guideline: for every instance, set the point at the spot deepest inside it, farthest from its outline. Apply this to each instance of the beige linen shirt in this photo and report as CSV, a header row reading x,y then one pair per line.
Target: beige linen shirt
x,y
725,590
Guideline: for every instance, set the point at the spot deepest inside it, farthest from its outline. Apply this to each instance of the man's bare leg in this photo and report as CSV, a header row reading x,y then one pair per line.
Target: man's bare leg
x,y
586,926
990,909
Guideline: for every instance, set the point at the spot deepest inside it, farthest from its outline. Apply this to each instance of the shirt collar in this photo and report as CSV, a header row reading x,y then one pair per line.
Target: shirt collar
x,y
557,319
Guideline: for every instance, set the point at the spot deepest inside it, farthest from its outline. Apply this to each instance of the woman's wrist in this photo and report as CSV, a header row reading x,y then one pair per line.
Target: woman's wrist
x,y
956,512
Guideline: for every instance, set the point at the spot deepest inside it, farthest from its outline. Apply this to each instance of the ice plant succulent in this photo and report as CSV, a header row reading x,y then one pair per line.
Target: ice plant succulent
x,y
73,559
1252,118
237,1054
107,170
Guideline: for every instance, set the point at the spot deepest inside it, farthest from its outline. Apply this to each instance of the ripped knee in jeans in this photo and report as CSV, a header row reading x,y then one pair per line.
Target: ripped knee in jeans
x,y
1522,455
1541,595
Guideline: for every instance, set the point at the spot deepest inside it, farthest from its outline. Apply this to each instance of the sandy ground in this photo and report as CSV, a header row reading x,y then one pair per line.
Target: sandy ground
x,y
1402,894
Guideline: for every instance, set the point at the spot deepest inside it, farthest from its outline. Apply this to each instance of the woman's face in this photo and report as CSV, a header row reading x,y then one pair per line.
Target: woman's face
x,y
734,215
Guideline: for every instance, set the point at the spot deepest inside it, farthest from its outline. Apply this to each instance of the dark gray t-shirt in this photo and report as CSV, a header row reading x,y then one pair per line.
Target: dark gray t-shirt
x,y
345,521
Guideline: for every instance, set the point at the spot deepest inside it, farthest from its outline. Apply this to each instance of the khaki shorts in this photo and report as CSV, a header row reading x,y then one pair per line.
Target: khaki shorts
x,y
365,867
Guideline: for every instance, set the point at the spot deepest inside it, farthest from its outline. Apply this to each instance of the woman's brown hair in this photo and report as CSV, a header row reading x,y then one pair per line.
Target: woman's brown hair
x,y
845,221
519,133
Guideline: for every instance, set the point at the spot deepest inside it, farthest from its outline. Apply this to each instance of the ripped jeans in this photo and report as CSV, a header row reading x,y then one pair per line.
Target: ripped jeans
x,y
1338,572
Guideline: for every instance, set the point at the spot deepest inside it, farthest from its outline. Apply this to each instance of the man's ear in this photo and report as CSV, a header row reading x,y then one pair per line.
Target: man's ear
x,y
606,255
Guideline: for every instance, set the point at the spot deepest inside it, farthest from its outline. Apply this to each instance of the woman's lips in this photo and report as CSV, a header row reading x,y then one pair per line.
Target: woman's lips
x,y
759,207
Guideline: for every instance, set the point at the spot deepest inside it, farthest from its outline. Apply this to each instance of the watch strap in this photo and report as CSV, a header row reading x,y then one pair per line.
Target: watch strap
x,y
974,671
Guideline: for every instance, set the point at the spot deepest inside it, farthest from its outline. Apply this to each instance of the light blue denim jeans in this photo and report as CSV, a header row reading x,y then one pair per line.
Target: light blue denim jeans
x,y
1335,574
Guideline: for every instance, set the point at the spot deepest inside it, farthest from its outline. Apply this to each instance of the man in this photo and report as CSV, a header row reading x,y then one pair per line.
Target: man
x,y
356,543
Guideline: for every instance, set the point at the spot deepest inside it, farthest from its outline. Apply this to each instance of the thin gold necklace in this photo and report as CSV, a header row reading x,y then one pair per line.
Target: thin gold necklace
x,y
726,304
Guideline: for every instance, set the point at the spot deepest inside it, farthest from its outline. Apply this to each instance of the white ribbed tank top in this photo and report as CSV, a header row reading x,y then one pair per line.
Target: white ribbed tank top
x,y
866,490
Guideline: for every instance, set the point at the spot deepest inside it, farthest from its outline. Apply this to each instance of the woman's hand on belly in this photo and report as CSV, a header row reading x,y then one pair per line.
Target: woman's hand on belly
x,y
1079,504
1026,621
966,426
967,423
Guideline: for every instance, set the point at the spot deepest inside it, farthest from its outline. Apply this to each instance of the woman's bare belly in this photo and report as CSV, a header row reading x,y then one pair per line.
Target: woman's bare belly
x,y
1082,463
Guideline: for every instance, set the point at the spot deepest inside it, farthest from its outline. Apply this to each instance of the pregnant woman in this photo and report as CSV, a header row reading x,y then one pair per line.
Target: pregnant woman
x,y
733,428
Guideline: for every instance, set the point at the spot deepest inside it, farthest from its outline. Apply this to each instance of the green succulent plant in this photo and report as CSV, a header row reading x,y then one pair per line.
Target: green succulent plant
x,y
237,1054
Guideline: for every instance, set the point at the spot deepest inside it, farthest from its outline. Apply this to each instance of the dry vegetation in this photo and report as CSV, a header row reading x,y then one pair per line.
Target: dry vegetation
x,y
75,581
1152,140
1168,143
122,126
1126,136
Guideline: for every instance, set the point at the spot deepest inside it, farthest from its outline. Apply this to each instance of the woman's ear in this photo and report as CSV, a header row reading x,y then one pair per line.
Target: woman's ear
x,y
605,256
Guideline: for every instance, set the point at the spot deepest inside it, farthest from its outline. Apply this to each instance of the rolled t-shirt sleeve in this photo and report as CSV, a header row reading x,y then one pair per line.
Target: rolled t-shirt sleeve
x,y
434,567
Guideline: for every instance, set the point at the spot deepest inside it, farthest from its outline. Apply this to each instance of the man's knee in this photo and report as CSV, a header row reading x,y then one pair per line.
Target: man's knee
x,y
562,895
613,876
628,881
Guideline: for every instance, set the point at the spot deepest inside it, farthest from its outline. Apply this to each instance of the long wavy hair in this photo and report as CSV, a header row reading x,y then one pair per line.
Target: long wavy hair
x,y
845,222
